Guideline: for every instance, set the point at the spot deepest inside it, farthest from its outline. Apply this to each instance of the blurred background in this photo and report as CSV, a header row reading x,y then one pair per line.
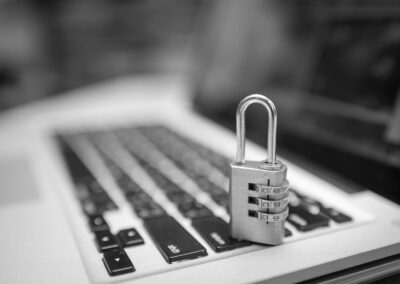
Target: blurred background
x,y
331,67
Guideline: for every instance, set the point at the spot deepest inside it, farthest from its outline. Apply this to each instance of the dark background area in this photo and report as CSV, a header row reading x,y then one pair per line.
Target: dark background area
x,y
48,47
334,76
331,67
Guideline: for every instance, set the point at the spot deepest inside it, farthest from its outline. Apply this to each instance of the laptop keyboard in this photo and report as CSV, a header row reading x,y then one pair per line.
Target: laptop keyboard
x,y
159,171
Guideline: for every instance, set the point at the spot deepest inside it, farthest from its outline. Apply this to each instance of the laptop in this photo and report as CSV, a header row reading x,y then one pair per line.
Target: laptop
x,y
133,187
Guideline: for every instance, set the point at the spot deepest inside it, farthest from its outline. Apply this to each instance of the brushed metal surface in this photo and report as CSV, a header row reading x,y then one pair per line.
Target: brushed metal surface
x,y
251,228
241,127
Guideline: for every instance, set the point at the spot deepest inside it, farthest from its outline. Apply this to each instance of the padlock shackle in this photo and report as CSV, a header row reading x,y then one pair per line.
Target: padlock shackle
x,y
241,127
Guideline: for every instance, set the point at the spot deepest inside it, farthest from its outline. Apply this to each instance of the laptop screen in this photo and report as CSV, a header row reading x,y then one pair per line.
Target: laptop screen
x,y
354,94
359,63
333,72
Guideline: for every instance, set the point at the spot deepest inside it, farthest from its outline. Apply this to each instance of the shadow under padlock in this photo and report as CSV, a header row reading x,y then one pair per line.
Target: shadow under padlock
x,y
258,190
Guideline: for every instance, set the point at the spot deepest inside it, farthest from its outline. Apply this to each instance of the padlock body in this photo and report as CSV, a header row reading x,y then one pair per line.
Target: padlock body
x,y
243,181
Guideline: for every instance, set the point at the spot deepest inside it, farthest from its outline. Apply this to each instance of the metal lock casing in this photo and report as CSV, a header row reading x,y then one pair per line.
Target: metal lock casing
x,y
250,228
258,190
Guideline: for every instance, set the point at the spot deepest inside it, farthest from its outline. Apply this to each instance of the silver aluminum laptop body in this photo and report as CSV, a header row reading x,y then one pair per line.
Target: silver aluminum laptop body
x,y
45,236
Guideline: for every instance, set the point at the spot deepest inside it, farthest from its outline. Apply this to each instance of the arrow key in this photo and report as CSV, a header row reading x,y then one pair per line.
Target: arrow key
x,y
117,262
105,240
130,237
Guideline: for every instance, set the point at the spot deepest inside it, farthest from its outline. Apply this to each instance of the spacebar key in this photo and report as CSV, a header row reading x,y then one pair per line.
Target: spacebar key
x,y
173,241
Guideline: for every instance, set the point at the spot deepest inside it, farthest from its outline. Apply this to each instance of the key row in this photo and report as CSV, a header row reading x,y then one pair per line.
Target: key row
x,y
308,215
94,202
105,240
112,246
186,203
192,167
92,196
302,218
217,160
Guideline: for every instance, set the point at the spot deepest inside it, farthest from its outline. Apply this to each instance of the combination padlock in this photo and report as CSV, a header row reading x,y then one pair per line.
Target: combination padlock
x,y
258,190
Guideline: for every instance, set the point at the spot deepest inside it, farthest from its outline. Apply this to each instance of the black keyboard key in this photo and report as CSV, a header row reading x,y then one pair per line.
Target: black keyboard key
x,y
76,167
197,213
128,186
172,240
95,188
105,206
105,240
218,193
181,198
194,210
117,262
139,198
335,215
97,223
310,200
159,179
130,237
131,189
223,203
89,207
99,198
82,190
141,205
114,169
150,213
204,183
215,232
304,220
221,199
92,207
170,189
148,210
